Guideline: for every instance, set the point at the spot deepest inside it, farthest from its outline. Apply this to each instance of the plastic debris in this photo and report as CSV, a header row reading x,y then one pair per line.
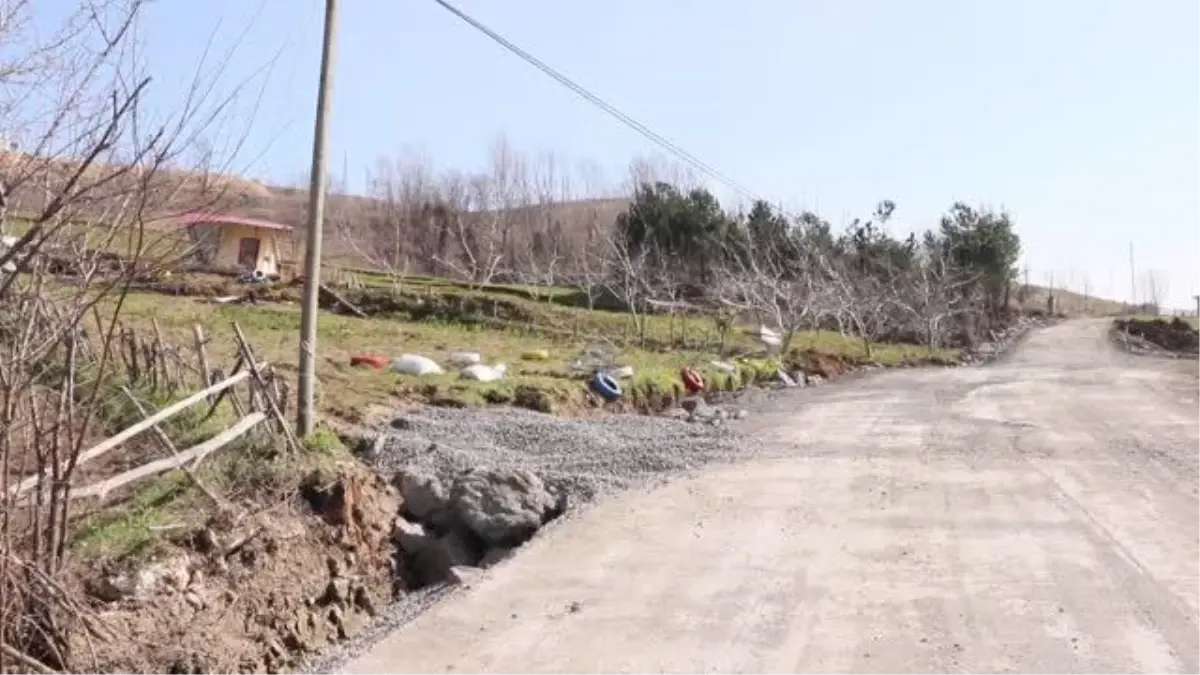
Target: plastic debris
x,y
482,373
415,364
620,372
724,366
460,359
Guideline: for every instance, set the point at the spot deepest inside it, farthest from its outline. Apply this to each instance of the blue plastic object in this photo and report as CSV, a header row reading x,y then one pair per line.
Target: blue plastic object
x,y
606,386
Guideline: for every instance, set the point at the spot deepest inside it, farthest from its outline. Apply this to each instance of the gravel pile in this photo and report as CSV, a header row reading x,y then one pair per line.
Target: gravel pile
x,y
582,457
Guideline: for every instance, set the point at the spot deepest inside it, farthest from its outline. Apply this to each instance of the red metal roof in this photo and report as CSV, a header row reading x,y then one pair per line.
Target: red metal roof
x,y
200,218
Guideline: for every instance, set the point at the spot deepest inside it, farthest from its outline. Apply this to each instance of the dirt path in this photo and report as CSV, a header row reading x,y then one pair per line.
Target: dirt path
x,y
1039,514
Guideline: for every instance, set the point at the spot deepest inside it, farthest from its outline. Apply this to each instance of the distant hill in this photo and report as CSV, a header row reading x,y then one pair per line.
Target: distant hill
x,y
1068,302
347,214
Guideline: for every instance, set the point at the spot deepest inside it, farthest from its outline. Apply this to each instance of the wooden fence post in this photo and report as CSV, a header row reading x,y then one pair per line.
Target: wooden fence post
x,y
257,374
202,354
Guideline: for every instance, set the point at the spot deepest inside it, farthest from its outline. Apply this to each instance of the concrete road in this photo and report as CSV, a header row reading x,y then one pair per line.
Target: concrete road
x,y
1035,515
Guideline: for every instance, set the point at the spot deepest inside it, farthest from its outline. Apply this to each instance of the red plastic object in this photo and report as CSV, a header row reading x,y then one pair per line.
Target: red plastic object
x,y
369,360
692,380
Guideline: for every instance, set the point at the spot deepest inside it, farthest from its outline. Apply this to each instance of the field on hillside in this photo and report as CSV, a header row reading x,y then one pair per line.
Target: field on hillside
x,y
503,324
1068,303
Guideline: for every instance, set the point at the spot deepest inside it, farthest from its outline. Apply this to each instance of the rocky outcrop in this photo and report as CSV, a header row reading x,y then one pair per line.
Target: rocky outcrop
x,y
423,492
503,507
479,518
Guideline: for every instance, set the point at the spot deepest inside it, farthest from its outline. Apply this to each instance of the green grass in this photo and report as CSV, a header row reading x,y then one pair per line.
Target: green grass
x,y
170,505
133,528
561,330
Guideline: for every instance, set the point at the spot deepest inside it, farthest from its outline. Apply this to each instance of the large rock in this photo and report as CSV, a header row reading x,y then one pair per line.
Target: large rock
x,y
423,493
436,561
503,507
171,575
410,537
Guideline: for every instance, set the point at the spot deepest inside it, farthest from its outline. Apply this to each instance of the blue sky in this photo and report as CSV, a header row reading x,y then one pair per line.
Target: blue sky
x,y
1082,117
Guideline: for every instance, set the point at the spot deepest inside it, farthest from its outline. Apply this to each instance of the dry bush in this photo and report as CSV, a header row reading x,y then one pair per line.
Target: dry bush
x,y
522,219
94,168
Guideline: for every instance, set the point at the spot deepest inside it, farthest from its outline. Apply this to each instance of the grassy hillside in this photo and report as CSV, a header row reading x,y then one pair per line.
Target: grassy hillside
x,y
502,325
347,216
1069,303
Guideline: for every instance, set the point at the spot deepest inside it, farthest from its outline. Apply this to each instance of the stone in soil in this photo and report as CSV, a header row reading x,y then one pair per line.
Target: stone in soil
x,y
423,493
503,507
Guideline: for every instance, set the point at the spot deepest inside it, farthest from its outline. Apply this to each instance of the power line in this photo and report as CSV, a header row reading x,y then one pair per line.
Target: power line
x,y
607,107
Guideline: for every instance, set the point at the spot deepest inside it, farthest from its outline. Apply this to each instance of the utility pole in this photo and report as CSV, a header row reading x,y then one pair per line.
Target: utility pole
x,y
1197,298
1132,280
305,416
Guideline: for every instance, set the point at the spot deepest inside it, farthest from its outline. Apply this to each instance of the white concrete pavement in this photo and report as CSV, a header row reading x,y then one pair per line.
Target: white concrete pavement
x,y
1036,515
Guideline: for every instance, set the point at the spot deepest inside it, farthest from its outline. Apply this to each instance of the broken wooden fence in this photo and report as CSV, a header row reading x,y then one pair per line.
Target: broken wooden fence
x,y
148,364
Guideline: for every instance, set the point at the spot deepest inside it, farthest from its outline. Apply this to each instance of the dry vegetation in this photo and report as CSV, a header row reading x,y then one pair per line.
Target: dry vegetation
x,y
95,169
528,254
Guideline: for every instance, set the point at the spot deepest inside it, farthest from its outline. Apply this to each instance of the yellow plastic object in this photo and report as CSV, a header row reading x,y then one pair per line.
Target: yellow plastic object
x,y
536,355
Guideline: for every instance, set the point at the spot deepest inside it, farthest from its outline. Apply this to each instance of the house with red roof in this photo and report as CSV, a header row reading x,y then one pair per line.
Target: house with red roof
x,y
248,245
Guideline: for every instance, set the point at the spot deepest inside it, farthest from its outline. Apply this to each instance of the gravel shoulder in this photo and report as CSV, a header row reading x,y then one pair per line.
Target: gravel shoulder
x,y
1035,515
585,458
588,459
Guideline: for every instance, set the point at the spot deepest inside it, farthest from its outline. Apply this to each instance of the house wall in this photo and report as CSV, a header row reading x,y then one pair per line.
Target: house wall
x,y
268,250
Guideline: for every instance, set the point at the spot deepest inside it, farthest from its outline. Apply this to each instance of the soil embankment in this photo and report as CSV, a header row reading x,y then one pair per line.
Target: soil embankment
x,y
1157,336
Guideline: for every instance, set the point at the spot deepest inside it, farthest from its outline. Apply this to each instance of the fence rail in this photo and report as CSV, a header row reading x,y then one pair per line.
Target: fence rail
x,y
147,360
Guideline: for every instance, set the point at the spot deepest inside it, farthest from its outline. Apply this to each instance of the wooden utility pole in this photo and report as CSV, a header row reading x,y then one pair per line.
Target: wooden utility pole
x,y
305,416
1133,301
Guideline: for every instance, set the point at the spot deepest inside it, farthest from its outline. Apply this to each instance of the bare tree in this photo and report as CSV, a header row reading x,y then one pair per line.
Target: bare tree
x,y
536,224
480,212
931,295
1155,285
863,300
665,293
650,169
773,278
395,224
87,149
588,261
630,280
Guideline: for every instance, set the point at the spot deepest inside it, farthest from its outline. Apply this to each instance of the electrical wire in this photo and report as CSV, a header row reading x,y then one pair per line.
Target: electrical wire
x,y
607,107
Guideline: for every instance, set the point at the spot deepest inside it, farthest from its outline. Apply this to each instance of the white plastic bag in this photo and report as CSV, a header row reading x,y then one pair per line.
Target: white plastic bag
x,y
621,372
724,366
414,364
460,359
482,373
